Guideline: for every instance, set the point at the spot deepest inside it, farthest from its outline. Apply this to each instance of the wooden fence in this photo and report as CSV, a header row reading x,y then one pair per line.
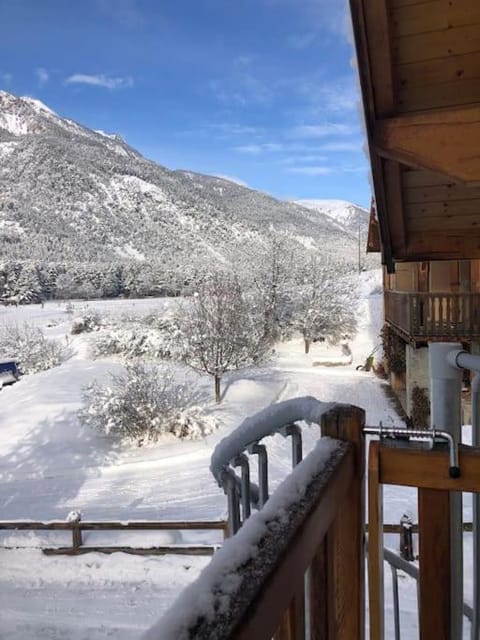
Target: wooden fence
x,y
77,527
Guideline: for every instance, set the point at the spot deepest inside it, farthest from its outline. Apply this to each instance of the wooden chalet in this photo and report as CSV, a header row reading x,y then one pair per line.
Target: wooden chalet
x,y
419,68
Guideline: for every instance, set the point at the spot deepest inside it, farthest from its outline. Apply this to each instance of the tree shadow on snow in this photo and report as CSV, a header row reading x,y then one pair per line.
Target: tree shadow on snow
x,y
43,474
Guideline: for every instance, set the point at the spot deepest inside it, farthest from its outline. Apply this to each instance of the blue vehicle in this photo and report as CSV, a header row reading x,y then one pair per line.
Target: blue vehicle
x,y
9,372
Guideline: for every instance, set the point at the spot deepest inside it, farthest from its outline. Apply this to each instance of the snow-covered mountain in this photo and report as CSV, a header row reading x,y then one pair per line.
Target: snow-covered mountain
x,y
347,216
68,193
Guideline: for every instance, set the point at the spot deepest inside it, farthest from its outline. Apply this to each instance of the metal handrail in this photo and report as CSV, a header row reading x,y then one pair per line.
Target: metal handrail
x,y
229,454
397,563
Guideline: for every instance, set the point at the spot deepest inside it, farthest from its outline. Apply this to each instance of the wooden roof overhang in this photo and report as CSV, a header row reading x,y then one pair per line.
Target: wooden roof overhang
x,y
419,68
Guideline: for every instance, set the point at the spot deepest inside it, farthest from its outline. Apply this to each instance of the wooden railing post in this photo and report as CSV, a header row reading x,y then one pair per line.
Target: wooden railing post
x,y
76,534
345,548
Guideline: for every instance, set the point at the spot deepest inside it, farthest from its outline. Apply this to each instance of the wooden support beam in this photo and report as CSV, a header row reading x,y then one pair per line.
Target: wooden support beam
x,y
394,197
371,24
446,141
435,571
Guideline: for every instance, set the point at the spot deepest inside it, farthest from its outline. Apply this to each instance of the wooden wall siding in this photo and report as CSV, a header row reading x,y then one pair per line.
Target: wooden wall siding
x,y
439,71
449,94
435,53
423,178
449,193
442,245
436,44
432,15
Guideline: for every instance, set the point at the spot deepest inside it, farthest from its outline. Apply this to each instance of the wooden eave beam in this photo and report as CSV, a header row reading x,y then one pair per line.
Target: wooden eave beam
x,y
446,141
372,32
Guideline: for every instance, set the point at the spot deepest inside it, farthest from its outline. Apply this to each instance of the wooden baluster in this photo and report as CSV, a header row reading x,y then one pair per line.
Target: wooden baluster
x,y
375,544
321,594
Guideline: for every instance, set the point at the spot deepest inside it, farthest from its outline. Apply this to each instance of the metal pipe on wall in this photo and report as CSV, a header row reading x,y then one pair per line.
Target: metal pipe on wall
x,y
445,414
464,360
476,511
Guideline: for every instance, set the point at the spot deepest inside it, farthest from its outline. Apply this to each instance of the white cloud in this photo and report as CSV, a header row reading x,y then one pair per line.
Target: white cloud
x,y
42,76
249,148
303,158
329,15
341,95
301,41
125,12
100,80
321,130
259,148
311,171
234,179
272,146
325,96
243,61
241,87
342,146
234,129
6,78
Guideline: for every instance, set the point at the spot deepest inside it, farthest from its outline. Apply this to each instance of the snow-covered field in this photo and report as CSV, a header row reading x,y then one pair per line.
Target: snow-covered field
x,y
50,464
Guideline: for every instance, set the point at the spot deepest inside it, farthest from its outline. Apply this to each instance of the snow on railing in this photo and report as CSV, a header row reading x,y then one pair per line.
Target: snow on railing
x,y
230,452
214,603
255,585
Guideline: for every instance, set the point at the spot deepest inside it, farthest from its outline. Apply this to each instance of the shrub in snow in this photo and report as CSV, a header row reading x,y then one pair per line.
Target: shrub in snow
x,y
145,403
29,346
86,324
134,341
219,329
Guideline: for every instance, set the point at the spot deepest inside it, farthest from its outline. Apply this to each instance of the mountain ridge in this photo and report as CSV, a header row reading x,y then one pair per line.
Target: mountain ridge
x,y
73,194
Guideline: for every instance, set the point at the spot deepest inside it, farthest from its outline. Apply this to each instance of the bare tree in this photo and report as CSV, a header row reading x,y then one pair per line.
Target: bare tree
x,y
324,305
219,329
270,275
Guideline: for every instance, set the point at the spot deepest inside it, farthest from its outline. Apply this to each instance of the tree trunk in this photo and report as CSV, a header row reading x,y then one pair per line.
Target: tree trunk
x,y
217,389
307,345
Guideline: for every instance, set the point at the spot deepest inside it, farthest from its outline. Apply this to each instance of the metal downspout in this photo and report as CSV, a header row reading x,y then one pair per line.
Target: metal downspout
x,y
445,414
476,511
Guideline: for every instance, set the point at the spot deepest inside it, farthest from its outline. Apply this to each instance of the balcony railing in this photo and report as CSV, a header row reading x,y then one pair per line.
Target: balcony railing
x,y
440,316
295,568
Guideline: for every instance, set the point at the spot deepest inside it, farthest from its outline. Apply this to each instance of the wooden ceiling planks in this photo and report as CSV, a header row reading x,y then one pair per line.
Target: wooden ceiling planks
x,y
433,15
419,64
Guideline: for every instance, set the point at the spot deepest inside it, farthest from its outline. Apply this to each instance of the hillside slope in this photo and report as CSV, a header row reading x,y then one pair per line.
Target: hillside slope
x,y
70,193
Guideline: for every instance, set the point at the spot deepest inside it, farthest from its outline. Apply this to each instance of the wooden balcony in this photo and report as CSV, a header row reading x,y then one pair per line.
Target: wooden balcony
x,y
433,316
295,569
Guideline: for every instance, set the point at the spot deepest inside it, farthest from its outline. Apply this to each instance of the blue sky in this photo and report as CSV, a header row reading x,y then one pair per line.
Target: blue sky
x,y
262,91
